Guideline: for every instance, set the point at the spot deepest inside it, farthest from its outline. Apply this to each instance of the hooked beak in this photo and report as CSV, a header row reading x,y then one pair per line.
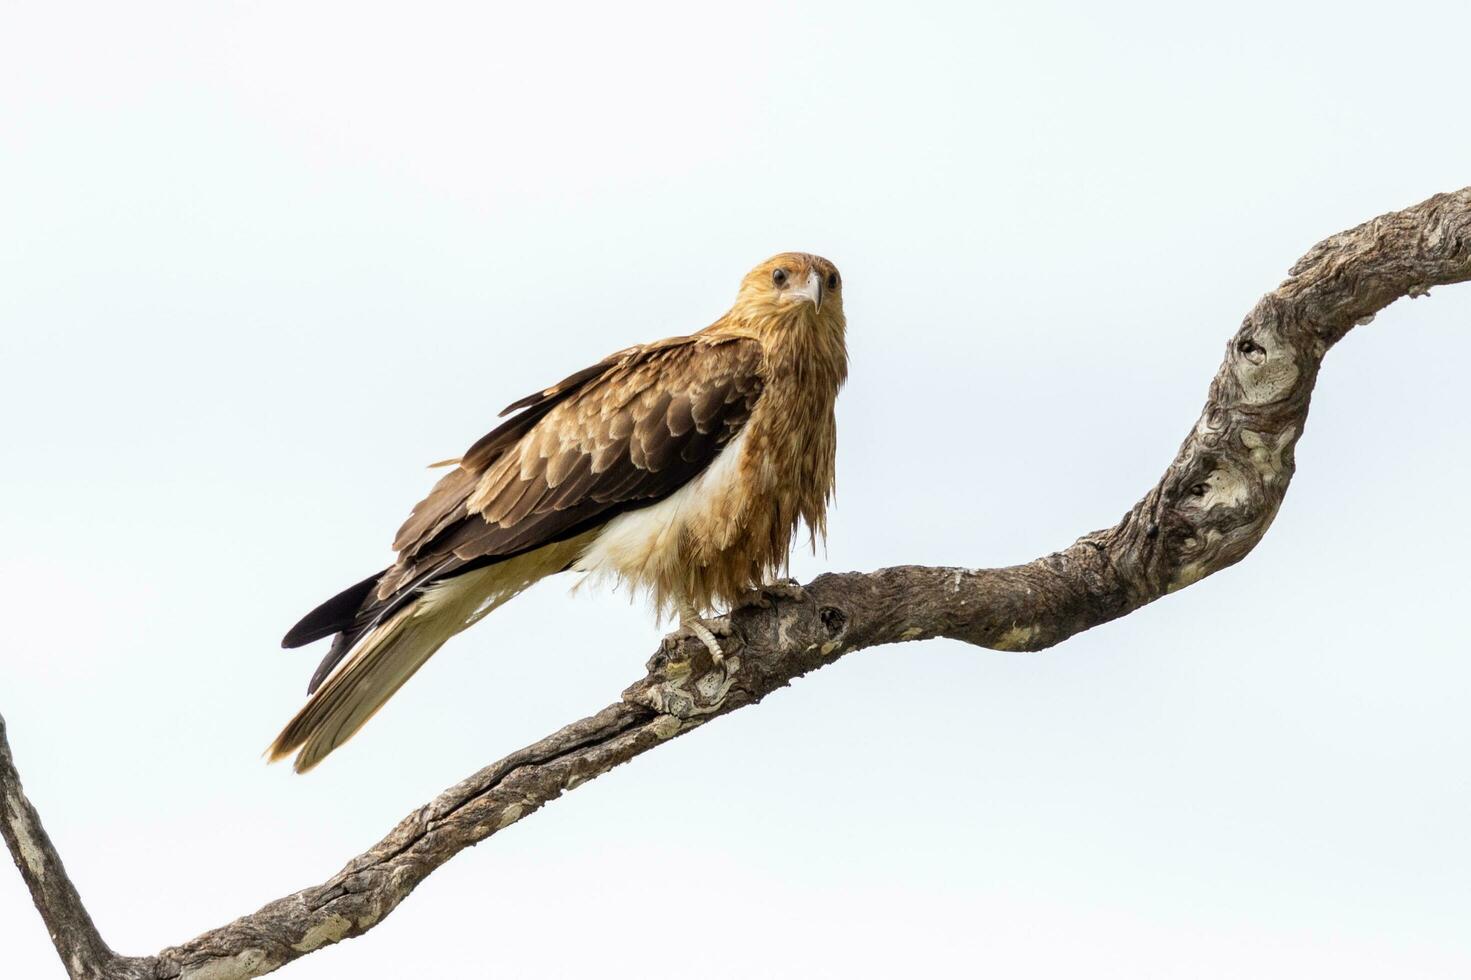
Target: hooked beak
x,y
810,290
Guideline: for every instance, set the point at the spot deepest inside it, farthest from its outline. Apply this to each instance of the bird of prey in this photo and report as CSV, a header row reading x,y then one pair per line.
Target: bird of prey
x,y
681,468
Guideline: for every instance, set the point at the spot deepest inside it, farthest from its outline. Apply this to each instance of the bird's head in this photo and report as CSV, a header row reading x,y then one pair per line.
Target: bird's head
x,y
792,289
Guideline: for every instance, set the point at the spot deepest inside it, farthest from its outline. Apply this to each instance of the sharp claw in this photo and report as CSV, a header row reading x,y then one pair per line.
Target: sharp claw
x,y
761,597
690,624
702,632
787,588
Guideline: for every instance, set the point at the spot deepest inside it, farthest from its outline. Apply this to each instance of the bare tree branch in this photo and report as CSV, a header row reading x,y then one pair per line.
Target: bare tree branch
x,y
77,940
1213,504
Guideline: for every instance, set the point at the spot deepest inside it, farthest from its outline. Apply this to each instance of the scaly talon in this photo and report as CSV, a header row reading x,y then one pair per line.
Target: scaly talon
x,y
702,632
786,588
690,623
760,597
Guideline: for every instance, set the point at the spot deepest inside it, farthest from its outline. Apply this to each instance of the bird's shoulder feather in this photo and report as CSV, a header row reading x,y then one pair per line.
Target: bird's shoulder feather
x,y
627,431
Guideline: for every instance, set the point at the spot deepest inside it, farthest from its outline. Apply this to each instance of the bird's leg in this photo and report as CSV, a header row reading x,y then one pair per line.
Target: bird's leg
x,y
690,620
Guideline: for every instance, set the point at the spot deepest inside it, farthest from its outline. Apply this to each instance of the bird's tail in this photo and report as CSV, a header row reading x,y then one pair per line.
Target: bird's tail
x,y
389,654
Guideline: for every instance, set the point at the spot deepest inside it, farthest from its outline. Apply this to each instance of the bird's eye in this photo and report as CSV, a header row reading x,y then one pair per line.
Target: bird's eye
x,y
832,280
779,276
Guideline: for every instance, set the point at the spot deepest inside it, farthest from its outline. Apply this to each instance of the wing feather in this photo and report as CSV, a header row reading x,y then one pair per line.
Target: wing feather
x,y
623,433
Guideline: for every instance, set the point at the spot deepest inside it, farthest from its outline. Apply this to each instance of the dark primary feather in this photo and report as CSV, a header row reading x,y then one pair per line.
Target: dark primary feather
x,y
341,644
332,616
621,434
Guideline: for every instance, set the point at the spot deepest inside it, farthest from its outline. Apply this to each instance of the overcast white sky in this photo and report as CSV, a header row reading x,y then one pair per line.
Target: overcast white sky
x,y
259,263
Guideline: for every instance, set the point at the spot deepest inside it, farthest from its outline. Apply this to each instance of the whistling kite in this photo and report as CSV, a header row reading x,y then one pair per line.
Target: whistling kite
x,y
681,467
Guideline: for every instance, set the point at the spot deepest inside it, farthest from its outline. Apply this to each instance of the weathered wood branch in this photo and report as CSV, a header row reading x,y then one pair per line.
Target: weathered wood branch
x,y
77,940
1213,504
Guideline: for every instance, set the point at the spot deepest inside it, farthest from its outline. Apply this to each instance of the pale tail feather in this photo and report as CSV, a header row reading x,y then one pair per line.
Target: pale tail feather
x,y
391,653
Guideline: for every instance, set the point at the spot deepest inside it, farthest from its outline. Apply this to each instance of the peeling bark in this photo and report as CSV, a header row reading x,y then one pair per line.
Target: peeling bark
x,y
1211,507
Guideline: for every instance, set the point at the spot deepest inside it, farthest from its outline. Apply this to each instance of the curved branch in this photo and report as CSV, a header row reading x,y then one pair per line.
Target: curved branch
x,y
1211,507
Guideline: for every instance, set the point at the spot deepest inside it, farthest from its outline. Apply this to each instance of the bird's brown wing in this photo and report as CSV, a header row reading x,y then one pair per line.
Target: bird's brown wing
x,y
627,432
624,433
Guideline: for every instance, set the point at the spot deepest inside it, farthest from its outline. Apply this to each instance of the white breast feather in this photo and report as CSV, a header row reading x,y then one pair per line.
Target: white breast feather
x,y
635,543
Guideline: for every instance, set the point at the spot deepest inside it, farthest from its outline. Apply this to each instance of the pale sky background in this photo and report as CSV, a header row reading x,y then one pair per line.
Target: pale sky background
x,y
259,263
